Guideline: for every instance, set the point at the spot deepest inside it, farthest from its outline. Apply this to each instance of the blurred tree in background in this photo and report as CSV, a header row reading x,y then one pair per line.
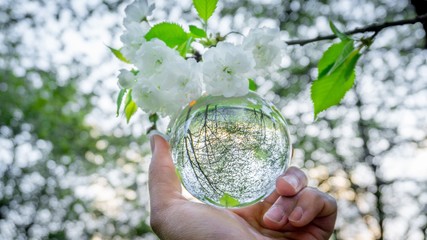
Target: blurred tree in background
x,y
61,176
69,169
357,151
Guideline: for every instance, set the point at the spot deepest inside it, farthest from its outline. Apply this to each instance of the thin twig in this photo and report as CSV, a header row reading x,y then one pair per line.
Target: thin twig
x,y
371,28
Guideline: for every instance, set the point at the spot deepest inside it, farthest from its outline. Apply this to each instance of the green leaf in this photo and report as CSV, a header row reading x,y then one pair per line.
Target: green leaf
x,y
120,100
252,85
205,8
134,71
184,47
128,98
228,201
130,106
345,53
118,54
170,33
338,33
130,110
197,32
329,58
329,89
153,117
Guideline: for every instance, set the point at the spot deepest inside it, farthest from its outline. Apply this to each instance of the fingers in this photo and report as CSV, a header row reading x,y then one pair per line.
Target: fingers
x,y
308,205
163,182
288,184
277,215
291,182
313,204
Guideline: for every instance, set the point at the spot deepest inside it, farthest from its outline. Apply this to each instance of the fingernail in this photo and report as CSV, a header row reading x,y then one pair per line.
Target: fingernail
x,y
152,144
296,214
151,136
293,181
275,214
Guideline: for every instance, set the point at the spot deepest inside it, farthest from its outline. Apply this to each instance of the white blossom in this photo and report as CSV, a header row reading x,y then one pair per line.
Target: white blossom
x,y
186,79
169,90
132,39
146,98
166,82
226,69
138,11
154,56
126,79
266,47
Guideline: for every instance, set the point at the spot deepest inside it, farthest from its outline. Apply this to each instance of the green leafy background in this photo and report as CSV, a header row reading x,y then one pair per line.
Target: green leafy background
x,y
69,169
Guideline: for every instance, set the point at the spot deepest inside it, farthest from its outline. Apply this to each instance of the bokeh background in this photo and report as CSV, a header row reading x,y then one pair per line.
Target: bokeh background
x,y
69,169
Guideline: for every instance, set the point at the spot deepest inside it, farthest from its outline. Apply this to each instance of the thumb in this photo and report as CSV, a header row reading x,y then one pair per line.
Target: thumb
x,y
163,182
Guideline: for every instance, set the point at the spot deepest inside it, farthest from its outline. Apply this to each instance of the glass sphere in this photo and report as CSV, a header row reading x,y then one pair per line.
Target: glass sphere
x,y
228,152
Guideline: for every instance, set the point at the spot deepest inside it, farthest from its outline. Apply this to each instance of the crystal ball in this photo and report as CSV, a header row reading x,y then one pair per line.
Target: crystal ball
x,y
228,152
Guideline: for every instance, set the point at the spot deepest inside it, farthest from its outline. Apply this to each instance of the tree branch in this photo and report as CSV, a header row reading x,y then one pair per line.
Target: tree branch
x,y
371,28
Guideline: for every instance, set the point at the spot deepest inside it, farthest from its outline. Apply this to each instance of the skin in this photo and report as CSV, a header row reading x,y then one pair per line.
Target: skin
x,y
293,211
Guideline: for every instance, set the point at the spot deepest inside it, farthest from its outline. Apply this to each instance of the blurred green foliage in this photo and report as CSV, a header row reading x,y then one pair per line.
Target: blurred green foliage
x,y
59,171
55,165
44,130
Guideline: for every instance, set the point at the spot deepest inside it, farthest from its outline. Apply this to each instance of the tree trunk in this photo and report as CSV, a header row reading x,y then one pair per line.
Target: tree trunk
x,y
421,8
369,159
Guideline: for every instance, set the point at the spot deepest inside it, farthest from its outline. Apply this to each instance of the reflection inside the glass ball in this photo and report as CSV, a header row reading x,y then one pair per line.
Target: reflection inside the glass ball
x,y
229,154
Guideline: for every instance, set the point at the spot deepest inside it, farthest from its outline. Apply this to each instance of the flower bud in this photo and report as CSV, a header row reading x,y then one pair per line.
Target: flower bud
x,y
126,79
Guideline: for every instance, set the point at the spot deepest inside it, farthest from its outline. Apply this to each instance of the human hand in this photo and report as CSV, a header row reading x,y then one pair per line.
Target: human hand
x,y
292,211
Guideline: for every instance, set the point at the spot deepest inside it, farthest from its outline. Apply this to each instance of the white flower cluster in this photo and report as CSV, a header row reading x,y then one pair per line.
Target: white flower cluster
x,y
164,81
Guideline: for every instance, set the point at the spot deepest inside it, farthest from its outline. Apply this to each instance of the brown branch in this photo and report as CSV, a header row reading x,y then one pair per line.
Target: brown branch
x,y
371,28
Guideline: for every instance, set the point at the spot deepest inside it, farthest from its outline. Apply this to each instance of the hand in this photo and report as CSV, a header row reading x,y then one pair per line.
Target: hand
x,y
293,211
